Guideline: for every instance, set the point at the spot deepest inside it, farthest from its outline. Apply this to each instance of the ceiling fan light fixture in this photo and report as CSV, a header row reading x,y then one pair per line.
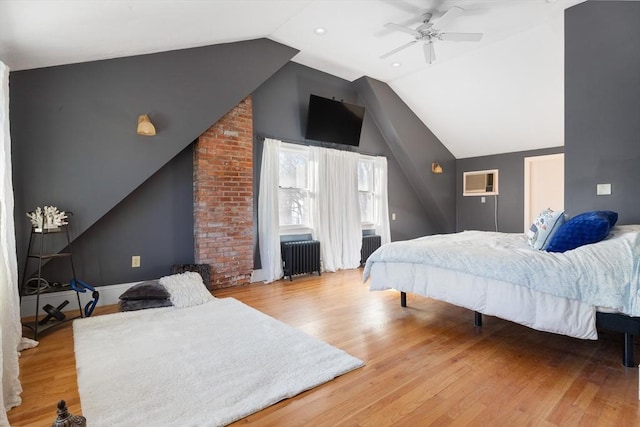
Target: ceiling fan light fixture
x,y
430,32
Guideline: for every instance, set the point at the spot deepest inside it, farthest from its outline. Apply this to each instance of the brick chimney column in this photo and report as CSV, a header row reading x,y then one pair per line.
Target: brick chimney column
x,y
223,197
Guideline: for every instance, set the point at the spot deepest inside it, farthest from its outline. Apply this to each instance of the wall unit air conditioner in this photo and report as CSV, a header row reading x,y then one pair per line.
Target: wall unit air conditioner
x,y
480,183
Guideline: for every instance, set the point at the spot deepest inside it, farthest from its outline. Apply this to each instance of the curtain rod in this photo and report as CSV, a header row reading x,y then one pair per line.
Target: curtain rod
x,y
262,137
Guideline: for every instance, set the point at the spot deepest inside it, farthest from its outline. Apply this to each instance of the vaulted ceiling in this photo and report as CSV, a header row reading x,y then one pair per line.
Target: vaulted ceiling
x,y
502,94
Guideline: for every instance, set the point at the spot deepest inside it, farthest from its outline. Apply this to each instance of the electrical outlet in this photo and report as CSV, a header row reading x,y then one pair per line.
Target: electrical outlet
x,y
135,261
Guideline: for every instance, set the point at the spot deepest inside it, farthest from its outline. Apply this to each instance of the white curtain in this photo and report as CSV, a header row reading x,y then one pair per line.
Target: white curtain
x,y
382,205
336,212
268,214
10,327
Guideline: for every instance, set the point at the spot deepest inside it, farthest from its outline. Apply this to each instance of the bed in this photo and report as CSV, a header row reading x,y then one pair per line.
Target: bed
x,y
571,293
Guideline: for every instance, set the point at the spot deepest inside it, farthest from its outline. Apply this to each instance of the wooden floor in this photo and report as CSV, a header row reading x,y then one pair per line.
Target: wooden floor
x,y
425,365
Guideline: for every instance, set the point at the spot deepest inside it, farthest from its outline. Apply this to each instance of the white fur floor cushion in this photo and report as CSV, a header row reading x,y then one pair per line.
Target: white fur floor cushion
x,y
186,289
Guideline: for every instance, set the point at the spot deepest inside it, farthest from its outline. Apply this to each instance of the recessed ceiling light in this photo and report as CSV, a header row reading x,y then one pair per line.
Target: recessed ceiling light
x,y
396,64
320,31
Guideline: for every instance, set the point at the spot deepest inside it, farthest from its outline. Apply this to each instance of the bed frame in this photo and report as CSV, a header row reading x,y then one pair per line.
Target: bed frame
x,y
629,326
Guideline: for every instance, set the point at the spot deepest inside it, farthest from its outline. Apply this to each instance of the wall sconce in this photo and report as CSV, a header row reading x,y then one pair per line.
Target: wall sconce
x,y
145,127
436,168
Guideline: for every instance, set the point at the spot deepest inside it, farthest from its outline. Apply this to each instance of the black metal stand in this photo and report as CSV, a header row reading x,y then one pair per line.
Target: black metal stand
x,y
38,326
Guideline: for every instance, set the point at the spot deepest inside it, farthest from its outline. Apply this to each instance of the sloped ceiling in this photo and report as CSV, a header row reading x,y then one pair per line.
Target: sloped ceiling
x,y
502,94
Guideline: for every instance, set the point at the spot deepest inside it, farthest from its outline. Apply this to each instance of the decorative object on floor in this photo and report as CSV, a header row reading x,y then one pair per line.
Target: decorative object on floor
x,y
47,218
65,419
220,361
145,127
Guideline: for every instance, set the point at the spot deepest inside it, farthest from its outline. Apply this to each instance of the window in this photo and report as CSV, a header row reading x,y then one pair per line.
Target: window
x,y
366,190
293,193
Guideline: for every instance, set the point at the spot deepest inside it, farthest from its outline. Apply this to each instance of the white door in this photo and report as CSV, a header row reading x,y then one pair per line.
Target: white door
x,y
543,185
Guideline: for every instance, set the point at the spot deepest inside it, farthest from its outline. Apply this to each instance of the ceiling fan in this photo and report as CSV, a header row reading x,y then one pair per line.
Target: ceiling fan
x,y
429,32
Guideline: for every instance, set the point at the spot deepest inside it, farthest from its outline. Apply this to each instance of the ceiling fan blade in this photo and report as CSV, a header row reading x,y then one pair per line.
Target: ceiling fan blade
x,y
407,30
461,37
429,52
398,49
447,17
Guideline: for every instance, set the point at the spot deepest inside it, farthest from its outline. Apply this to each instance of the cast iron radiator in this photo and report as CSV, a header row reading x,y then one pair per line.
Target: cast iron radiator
x,y
300,257
369,245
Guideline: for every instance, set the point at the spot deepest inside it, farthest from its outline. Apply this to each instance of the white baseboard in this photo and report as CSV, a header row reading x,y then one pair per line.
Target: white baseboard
x,y
257,276
108,295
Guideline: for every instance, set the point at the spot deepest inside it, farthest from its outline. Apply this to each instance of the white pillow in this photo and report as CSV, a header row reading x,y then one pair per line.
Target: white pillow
x,y
543,228
186,289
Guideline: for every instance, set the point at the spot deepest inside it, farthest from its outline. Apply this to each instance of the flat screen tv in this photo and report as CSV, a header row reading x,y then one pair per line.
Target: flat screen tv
x,y
329,120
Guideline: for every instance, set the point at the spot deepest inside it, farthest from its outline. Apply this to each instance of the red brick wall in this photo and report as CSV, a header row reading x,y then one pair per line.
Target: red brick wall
x,y
223,197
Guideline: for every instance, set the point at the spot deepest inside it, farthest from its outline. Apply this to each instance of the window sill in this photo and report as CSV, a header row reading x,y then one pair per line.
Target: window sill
x,y
292,230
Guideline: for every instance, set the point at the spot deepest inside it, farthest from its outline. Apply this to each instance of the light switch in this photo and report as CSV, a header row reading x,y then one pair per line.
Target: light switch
x,y
393,216
603,189
483,199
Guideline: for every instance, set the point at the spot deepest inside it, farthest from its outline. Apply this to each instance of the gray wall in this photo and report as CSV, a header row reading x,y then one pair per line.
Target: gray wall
x,y
129,194
74,146
602,107
74,143
154,221
474,215
414,147
602,124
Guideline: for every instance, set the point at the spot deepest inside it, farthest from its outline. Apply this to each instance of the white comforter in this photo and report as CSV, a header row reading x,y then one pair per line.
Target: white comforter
x,y
604,274
484,270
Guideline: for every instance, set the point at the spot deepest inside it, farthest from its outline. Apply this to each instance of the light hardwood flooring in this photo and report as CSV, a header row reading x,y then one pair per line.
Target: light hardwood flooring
x,y
425,365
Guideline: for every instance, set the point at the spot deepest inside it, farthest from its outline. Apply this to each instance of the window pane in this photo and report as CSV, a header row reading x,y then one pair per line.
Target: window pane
x,y
293,207
366,207
365,176
293,170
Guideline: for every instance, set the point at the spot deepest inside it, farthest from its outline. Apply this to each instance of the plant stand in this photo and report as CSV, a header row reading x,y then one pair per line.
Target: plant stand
x,y
36,252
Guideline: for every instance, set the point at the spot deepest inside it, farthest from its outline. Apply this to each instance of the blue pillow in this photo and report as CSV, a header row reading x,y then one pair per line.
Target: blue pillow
x,y
611,216
543,228
583,229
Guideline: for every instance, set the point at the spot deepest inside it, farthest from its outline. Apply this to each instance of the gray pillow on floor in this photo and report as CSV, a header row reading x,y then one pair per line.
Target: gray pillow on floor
x,y
132,305
150,289
148,294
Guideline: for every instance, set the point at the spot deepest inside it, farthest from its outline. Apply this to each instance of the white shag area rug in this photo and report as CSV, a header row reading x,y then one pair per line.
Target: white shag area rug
x,y
207,365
